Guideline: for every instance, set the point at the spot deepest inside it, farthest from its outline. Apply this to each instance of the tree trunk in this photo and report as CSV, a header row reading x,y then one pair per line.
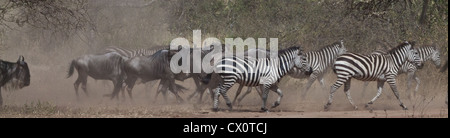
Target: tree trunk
x,y
423,16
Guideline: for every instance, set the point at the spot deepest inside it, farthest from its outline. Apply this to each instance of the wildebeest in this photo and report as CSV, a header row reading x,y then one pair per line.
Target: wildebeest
x,y
149,68
14,75
108,66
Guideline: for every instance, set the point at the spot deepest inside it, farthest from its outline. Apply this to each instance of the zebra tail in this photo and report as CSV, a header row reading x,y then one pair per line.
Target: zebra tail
x,y
71,69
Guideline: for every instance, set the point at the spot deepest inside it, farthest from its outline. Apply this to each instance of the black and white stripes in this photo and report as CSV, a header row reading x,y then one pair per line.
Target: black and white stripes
x,y
126,53
319,61
425,53
378,68
263,72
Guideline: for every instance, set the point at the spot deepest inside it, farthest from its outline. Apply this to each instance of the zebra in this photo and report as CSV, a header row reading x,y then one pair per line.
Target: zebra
x,y
378,68
425,53
319,61
263,72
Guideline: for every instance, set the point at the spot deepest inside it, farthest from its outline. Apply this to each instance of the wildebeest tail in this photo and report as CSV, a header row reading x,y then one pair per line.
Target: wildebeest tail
x,y
71,68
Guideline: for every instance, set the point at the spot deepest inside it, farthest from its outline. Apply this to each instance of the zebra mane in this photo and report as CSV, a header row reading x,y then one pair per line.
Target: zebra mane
x,y
290,49
330,46
399,47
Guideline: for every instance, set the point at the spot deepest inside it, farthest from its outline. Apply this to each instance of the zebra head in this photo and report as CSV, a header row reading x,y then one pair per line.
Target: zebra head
x,y
436,56
301,62
412,55
341,48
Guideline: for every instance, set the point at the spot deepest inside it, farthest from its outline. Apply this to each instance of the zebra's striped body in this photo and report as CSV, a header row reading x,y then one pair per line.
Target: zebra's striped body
x,y
263,72
319,61
425,53
134,53
378,68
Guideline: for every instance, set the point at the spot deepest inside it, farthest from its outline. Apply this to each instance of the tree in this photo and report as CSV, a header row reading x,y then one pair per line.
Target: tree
x,y
57,15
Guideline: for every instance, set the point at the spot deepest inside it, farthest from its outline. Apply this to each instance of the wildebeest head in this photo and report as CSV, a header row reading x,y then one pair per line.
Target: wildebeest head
x,y
18,74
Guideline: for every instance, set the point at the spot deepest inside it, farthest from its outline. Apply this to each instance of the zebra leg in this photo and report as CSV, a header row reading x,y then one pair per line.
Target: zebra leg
x,y
393,85
366,83
380,84
311,80
347,92
222,90
216,98
417,84
237,93
265,94
334,87
249,90
320,79
408,84
227,100
280,95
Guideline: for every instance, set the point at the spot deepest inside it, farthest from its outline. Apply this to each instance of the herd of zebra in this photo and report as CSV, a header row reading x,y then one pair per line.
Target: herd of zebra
x,y
126,67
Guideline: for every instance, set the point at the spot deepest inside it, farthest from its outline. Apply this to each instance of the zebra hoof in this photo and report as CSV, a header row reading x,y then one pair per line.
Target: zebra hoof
x,y
230,105
264,109
275,104
215,109
404,107
326,108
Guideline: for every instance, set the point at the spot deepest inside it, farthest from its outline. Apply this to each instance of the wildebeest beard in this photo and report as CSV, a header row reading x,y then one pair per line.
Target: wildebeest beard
x,y
13,84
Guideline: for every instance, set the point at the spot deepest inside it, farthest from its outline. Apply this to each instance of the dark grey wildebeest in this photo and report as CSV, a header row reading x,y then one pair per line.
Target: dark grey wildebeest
x,y
14,75
108,66
149,68
127,54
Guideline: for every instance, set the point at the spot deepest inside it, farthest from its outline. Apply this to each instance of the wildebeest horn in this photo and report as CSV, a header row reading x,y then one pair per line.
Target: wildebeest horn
x,y
21,58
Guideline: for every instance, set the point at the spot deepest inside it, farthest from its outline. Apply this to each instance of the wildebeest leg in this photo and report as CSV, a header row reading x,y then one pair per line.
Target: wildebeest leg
x,y
129,83
162,88
82,79
174,89
118,82
201,90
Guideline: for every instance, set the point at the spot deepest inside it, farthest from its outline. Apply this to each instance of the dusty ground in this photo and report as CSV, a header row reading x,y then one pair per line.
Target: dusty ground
x,y
52,95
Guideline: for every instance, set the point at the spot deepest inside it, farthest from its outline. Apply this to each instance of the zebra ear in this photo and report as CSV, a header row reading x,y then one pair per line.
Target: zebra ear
x,y
434,45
